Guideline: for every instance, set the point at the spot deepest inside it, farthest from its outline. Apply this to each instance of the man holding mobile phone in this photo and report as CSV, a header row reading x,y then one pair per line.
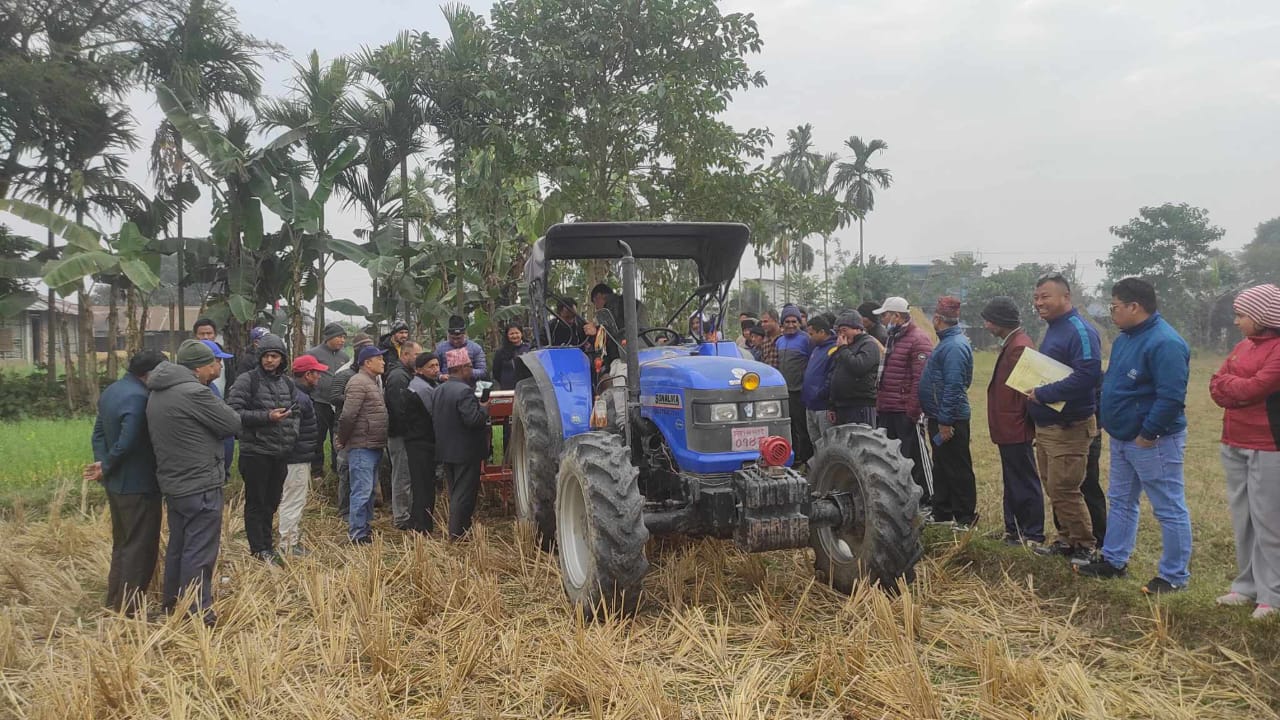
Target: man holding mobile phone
x,y
263,397
461,425
944,399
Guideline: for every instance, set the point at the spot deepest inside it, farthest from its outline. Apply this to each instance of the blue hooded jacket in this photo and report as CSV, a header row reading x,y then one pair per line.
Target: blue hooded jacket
x,y
947,375
815,393
1145,389
1071,341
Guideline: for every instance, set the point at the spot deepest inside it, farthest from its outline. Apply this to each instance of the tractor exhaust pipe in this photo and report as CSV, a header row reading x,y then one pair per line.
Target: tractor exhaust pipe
x,y
632,331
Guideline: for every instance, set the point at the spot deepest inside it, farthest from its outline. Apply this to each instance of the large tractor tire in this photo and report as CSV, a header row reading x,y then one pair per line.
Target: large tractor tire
x,y
600,526
535,455
882,543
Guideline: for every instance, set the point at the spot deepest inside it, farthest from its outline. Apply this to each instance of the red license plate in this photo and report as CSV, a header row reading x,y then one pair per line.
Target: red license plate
x,y
747,439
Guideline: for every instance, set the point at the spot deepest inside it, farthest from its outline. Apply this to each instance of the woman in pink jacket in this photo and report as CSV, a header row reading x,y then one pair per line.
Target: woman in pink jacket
x,y
1248,387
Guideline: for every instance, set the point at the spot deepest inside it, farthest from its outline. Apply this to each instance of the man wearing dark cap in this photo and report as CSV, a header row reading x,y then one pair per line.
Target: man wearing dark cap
x,y
391,343
362,433
331,354
854,367
265,399
944,399
420,442
458,340
460,423
1011,428
793,357
187,424
125,464
871,322
395,387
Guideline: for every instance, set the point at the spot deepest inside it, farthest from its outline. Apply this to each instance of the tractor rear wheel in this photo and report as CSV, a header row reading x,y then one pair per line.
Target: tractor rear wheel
x,y
600,526
882,542
534,457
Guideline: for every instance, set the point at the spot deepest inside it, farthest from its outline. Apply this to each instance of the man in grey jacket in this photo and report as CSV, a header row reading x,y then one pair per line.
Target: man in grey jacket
x,y
331,354
187,423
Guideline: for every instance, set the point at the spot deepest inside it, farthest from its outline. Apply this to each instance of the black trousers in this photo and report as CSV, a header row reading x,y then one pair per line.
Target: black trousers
x,y
800,441
135,547
1094,497
898,426
325,426
1023,493
263,483
464,488
864,414
422,484
955,489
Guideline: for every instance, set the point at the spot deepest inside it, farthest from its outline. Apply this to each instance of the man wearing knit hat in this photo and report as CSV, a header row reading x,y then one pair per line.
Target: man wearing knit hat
x,y
854,367
458,340
331,354
1246,387
362,432
944,400
1144,397
793,357
461,426
293,497
1011,428
898,400
187,424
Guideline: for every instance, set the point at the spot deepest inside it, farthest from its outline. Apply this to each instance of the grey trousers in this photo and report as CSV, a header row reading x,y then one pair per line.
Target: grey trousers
x,y
344,484
401,483
1253,494
195,533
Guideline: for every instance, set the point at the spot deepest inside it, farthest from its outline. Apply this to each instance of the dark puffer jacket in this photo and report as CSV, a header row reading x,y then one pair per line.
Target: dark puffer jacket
x,y
255,394
395,388
853,373
909,350
304,448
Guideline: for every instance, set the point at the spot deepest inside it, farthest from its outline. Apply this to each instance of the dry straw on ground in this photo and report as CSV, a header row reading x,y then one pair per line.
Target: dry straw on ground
x,y
408,628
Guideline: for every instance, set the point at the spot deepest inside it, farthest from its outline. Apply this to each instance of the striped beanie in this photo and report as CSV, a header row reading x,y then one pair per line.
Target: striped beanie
x,y
1261,304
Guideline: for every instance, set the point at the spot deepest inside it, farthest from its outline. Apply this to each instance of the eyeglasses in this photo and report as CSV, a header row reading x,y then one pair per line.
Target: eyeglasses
x,y
1116,306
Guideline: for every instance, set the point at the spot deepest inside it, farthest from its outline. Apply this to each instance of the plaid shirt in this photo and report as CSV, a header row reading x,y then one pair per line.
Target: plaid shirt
x,y
769,351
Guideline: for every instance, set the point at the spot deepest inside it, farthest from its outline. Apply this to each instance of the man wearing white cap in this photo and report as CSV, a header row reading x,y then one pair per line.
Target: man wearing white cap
x,y
898,402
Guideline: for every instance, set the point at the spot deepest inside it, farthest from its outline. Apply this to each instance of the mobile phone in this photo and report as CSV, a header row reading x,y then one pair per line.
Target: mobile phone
x,y
484,394
294,408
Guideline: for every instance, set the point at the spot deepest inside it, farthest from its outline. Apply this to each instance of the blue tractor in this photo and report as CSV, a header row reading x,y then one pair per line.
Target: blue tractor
x,y
661,429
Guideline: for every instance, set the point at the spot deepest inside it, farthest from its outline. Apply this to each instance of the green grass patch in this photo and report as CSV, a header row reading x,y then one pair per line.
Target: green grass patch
x,y
37,456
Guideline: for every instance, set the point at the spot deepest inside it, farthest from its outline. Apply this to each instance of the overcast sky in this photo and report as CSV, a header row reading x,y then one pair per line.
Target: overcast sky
x,y
1018,130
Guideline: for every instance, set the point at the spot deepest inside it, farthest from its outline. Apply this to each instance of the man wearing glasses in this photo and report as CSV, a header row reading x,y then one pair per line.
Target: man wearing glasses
x,y
1063,436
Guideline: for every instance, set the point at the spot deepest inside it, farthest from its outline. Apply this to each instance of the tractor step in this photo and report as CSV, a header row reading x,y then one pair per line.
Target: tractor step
x,y
771,500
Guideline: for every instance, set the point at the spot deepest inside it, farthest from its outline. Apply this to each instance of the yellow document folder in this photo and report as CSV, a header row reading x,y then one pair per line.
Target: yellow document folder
x,y
1035,369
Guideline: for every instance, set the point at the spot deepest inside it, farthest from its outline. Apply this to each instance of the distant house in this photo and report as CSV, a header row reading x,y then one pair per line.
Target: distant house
x,y
24,338
159,330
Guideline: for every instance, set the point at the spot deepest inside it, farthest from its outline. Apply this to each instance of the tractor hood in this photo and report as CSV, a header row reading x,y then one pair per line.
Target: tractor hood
x,y
670,369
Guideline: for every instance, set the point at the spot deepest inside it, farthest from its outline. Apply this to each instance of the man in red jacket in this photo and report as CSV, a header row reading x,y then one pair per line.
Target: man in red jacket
x,y
1011,429
897,402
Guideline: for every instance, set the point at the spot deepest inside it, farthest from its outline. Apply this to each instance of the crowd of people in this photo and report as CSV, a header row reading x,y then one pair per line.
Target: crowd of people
x,y
164,436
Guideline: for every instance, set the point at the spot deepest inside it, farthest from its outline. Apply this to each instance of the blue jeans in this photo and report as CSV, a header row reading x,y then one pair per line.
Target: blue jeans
x,y
363,472
1158,471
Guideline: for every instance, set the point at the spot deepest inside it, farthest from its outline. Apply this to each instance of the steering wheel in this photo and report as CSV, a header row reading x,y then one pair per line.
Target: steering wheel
x,y
668,332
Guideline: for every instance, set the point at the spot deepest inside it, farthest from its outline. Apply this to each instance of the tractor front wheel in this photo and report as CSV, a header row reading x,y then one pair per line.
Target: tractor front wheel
x,y
600,526
534,456
881,542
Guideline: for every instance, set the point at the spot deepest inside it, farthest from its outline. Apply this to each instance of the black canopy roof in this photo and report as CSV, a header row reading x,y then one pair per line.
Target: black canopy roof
x,y
715,247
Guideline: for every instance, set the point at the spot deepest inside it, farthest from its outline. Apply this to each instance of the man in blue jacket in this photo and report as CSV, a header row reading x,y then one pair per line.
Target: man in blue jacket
x,y
944,399
792,352
815,390
1143,410
125,464
1063,435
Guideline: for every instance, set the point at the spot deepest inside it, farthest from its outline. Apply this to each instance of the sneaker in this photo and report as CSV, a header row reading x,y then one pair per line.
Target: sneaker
x,y
1012,540
1234,598
960,526
1263,611
1101,569
299,551
1160,586
1057,547
1083,555
270,557
366,540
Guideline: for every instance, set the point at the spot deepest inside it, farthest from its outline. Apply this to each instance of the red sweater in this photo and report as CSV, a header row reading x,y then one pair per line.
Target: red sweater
x,y
1007,408
909,350
1248,386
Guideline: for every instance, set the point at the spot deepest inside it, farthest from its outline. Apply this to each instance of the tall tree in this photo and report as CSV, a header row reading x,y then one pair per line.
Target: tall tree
x,y
200,53
319,102
859,181
804,169
1260,259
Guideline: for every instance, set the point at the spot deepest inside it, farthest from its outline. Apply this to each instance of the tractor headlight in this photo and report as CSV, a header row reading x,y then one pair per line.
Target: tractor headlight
x,y
724,412
769,409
